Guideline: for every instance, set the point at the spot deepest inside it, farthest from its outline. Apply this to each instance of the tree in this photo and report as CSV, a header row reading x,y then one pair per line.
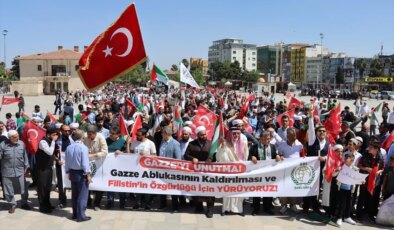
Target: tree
x,y
15,68
250,76
174,67
376,68
198,75
185,62
361,65
135,76
339,77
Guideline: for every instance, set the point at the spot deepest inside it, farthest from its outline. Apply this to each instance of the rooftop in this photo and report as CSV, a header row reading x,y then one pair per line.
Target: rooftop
x,y
58,54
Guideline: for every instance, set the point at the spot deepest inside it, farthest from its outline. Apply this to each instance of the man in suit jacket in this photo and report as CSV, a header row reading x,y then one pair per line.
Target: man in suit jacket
x,y
198,150
263,151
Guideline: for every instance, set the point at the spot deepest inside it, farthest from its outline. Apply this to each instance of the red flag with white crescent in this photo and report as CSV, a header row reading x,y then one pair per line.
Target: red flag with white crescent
x,y
333,123
32,134
294,103
205,117
114,52
9,100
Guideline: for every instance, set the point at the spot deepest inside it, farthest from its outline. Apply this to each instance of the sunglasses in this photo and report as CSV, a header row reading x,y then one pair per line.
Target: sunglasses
x,y
322,130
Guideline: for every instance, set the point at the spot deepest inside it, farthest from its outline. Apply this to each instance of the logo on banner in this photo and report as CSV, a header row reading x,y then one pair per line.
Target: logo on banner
x,y
93,168
303,175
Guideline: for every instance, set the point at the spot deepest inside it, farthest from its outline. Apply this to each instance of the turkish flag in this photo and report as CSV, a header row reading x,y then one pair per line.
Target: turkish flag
x,y
294,103
245,106
333,162
9,100
389,140
333,123
116,51
289,113
137,125
32,134
122,126
205,117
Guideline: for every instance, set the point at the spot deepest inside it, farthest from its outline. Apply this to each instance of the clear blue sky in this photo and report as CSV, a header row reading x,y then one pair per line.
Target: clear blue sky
x,y
173,30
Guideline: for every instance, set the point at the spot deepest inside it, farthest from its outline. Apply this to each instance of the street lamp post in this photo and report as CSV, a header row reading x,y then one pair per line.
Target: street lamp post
x,y
321,54
5,59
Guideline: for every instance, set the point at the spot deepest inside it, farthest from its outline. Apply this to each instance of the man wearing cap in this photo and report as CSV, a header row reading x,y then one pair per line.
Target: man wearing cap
x,y
232,150
43,169
246,137
14,167
185,140
198,150
98,149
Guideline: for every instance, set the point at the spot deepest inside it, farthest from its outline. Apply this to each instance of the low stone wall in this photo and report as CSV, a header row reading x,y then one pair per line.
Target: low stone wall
x,y
28,88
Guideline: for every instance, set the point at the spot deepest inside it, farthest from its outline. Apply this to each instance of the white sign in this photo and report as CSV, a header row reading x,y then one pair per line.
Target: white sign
x,y
135,174
349,176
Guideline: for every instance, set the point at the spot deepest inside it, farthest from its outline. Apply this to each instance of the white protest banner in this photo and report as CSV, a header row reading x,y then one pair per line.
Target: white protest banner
x,y
350,176
147,174
186,77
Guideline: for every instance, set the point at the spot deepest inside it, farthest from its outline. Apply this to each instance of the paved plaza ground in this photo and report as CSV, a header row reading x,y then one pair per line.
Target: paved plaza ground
x,y
155,219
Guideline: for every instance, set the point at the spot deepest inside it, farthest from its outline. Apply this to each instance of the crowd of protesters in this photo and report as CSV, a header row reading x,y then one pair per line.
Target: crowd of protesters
x,y
255,134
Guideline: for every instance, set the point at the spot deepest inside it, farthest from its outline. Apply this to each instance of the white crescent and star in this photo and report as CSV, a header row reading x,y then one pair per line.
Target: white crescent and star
x,y
35,132
127,33
204,117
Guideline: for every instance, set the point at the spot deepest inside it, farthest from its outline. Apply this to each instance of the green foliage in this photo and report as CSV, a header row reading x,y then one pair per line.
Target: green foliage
x,y
174,67
250,76
185,62
231,70
198,75
15,68
361,65
137,75
376,68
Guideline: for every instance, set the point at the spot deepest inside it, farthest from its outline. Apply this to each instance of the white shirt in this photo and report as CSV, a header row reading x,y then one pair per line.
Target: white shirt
x,y
287,151
364,110
357,157
146,147
43,145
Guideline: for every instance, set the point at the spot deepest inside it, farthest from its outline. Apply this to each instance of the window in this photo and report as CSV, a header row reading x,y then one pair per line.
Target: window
x,y
253,53
253,65
234,52
234,58
39,68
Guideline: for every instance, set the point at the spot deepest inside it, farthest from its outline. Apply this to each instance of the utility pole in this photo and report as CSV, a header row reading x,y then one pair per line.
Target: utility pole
x,y
321,54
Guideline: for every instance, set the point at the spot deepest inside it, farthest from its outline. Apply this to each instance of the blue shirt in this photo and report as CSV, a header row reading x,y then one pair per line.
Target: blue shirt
x,y
170,149
77,157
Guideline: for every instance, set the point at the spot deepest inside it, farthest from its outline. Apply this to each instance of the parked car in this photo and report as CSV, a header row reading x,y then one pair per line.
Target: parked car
x,y
374,94
385,94
391,95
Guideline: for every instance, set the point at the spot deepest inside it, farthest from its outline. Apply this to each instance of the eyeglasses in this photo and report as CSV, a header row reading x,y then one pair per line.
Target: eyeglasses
x,y
322,131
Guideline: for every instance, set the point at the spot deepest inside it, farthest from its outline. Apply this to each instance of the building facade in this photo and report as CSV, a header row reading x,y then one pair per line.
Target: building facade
x,y
269,59
233,50
45,73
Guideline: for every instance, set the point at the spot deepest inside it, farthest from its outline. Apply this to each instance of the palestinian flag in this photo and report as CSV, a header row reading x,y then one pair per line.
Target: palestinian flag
x,y
218,136
158,75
